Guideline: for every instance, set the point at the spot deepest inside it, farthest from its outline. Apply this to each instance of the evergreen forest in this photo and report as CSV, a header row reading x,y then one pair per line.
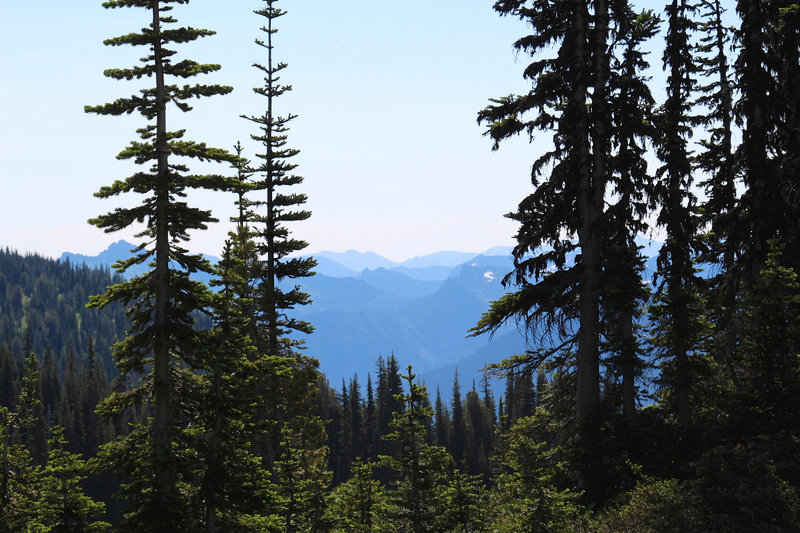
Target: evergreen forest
x,y
157,402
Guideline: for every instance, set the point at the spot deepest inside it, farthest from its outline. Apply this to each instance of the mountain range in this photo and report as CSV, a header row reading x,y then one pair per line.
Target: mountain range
x,y
365,306
421,310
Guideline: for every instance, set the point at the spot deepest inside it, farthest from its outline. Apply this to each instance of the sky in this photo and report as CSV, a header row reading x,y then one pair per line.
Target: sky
x,y
386,94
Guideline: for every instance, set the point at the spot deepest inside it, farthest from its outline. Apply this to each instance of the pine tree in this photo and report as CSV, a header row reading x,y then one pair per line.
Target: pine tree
x,y
370,422
767,74
768,355
234,492
303,479
631,186
274,174
286,387
421,469
63,507
357,504
527,496
717,155
676,312
464,508
389,387
718,161
18,484
558,257
95,386
356,418
70,407
442,422
458,438
161,302
479,443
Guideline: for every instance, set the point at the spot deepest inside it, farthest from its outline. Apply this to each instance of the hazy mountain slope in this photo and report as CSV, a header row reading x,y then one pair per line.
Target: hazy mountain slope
x,y
394,282
430,273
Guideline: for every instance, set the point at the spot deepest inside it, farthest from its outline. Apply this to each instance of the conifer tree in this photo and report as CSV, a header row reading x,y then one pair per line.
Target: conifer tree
x,y
421,469
286,388
717,155
63,507
676,313
18,477
458,438
558,256
464,504
356,430
357,504
528,496
768,355
95,385
161,301
234,493
8,375
389,387
70,414
631,187
272,211
370,421
442,422
302,479
767,74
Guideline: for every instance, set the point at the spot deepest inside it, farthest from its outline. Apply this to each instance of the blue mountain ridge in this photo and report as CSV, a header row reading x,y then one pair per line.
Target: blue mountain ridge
x,y
420,314
359,316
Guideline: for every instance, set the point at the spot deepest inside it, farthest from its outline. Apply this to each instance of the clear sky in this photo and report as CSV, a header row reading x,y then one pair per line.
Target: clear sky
x,y
386,92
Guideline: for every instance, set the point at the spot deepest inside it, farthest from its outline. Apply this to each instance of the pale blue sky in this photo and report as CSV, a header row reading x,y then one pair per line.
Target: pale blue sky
x,y
387,94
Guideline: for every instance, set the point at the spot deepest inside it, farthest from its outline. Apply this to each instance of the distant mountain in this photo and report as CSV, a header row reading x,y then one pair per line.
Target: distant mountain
x,y
365,305
431,273
499,250
438,262
445,259
357,261
356,321
106,258
331,268
394,282
118,251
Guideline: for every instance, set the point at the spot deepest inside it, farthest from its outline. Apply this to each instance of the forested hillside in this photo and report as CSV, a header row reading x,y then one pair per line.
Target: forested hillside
x,y
43,309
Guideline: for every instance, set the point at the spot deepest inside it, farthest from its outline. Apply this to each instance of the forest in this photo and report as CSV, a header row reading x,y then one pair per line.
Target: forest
x,y
159,403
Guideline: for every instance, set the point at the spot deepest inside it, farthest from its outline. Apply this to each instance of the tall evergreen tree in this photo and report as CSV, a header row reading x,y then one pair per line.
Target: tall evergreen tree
x,y
717,155
631,187
443,425
286,387
162,338
271,212
356,504
458,438
676,312
234,492
558,257
767,74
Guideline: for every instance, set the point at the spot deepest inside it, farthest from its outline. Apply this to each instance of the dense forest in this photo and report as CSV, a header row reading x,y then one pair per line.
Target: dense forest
x,y
664,404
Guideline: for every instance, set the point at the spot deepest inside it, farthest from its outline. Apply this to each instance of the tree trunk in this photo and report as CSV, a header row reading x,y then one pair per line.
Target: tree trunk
x,y
628,366
164,469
